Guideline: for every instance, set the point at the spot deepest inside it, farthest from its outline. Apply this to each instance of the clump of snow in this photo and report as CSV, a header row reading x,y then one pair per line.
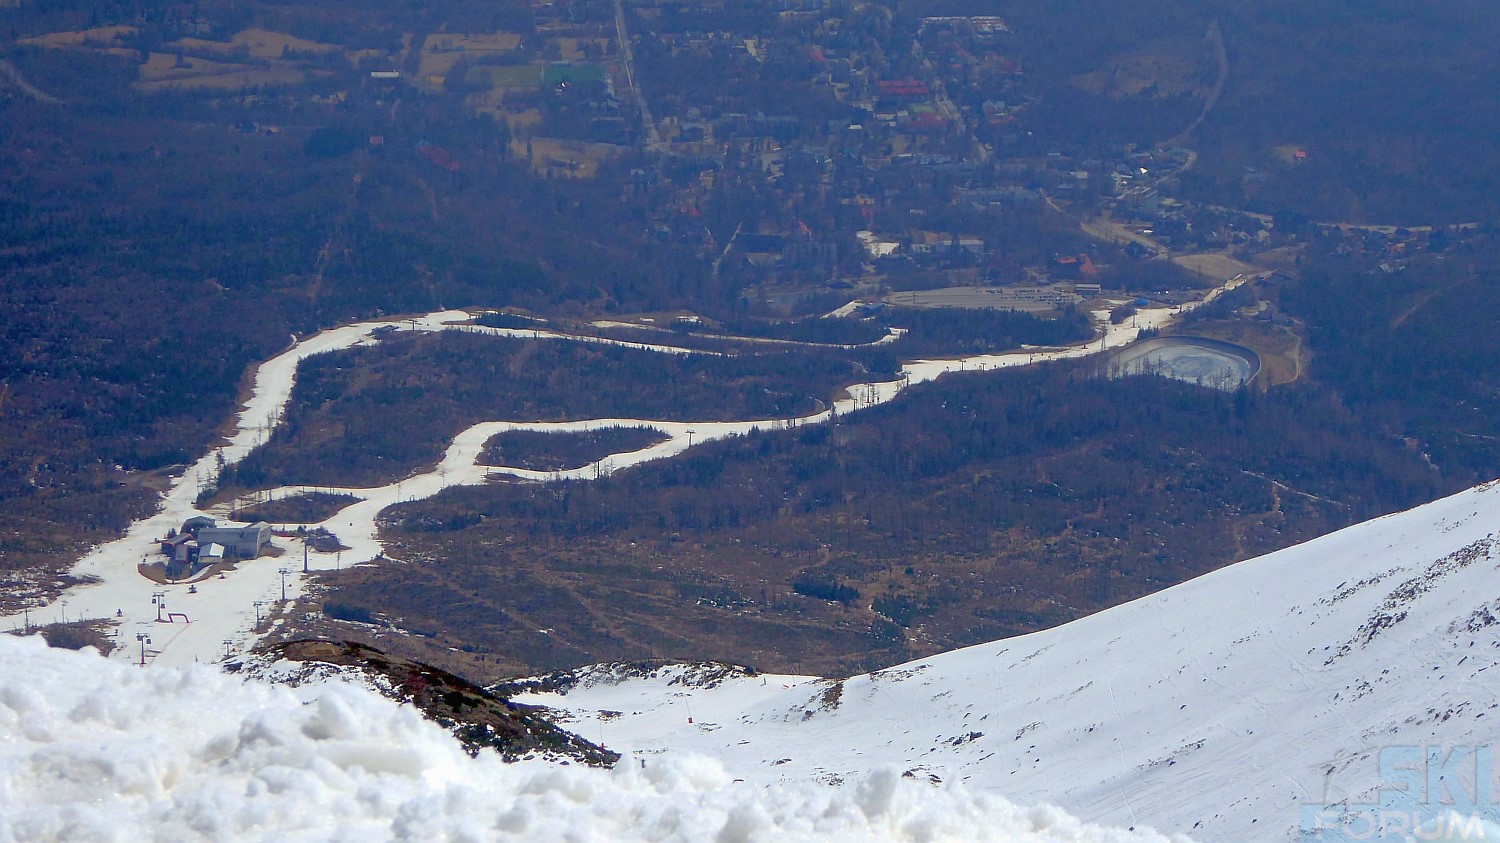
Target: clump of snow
x,y
98,750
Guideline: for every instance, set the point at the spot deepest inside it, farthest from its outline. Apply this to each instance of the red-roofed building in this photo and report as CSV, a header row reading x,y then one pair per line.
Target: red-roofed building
x,y
438,156
927,121
902,89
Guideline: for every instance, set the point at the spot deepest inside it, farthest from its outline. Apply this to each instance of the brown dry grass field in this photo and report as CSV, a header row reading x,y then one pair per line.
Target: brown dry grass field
x,y
266,44
161,72
162,69
487,42
435,66
199,45
572,48
1169,72
492,102
1215,265
555,156
255,44
356,56
80,37
487,102
522,119
441,52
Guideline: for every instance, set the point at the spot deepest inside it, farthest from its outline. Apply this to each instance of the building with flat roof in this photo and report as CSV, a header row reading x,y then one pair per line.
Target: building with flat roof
x,y
240,541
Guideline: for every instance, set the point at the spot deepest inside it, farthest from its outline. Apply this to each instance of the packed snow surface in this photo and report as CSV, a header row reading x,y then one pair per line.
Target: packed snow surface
x,y
96,750
1226,708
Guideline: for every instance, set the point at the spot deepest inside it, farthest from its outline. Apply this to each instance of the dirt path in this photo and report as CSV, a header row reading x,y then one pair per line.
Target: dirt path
x,y
336,236
1215,35
10,72
1423,300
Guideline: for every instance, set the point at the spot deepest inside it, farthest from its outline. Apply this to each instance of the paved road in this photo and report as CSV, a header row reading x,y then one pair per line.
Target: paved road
x,y
627,55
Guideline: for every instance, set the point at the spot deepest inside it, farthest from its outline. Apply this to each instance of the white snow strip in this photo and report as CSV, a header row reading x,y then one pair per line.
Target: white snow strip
x,y
94,750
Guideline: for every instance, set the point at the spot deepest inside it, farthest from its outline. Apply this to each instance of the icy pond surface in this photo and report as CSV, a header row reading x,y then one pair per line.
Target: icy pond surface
x,y
1205,362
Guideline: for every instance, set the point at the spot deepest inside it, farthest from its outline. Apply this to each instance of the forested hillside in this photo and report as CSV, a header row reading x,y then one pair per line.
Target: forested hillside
x,y
980,506
1415,349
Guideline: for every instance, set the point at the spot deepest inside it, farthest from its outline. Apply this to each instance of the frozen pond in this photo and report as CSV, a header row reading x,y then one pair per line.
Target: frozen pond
x,y
1197,360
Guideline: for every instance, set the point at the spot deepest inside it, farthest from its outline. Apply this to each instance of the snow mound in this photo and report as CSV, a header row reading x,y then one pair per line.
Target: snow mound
x,y
707,675
96,750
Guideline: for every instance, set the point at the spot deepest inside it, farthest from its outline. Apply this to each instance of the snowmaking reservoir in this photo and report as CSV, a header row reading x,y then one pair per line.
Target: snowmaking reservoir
x,y
1211,363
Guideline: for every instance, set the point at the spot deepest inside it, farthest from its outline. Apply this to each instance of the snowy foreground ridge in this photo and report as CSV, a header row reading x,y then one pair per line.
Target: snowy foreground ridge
x,y
1303,690
1348,682
95,750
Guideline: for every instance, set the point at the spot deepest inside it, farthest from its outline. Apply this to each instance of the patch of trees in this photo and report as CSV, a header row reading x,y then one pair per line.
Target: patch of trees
x,y
333,141
1224,306
157,245
309,508
75,635
1381,101
367,416
351,612
818,329
822,587
541,451
1137,275
927,331
499,319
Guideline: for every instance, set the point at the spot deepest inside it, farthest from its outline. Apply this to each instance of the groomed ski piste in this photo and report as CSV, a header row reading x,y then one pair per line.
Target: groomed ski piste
x,y
217,617
1298,692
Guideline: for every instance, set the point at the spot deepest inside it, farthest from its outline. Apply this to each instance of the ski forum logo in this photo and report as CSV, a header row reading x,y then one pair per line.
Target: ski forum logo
x,y
1424,793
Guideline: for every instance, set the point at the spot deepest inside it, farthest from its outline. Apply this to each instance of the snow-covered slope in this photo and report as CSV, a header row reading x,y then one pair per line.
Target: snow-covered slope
x,y
95,751
1223,708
